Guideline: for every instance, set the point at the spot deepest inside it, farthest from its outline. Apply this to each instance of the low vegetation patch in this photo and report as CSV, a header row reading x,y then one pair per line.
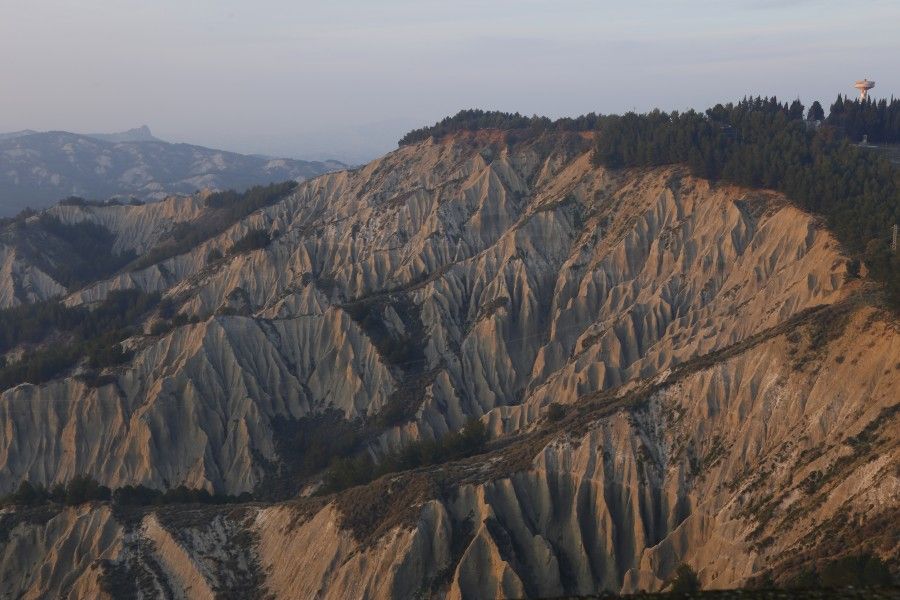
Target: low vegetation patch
x,y
685,580
305,447
72,254
32,323
402,351
556,411
92,335
354,471
88,251
253,240
79,490
83,489
858,571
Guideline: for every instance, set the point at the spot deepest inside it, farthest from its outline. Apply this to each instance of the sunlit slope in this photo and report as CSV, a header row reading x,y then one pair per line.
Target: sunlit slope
x,y
730,402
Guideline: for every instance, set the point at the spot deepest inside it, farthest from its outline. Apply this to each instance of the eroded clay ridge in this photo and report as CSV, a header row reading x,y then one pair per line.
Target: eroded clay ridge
x,y
741,464
714,419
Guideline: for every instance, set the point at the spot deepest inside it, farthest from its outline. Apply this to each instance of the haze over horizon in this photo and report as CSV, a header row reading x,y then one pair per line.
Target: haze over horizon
x,y
305,80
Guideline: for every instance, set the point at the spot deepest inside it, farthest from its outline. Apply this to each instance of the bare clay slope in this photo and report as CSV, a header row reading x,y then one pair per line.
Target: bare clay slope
x,y
744,464
472,278
28,254
528,274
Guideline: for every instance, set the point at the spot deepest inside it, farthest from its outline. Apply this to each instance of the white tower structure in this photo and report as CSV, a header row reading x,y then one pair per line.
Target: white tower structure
x,y
864,86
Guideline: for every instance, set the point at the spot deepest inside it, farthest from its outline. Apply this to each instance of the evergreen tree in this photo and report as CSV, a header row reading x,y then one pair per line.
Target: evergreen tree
x,y
816,112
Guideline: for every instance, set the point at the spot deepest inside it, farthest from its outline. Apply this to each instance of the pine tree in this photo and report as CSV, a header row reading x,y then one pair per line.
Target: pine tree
x,y
816,112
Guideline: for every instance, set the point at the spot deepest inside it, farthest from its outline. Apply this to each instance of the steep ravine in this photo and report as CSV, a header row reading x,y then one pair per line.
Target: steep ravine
x,y
727,392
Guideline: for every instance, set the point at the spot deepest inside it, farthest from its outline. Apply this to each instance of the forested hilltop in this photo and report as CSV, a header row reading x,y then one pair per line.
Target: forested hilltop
x,y
758,143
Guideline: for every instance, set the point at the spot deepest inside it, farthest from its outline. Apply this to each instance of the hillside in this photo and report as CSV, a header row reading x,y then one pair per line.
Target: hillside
x,y
38,169
666,370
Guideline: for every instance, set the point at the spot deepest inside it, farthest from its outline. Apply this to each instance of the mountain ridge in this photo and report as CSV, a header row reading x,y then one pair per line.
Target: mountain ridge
x,y
41,168
691,333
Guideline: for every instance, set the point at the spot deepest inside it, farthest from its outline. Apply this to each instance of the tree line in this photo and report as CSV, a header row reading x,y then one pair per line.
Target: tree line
x,y
83,489
879,120
476,119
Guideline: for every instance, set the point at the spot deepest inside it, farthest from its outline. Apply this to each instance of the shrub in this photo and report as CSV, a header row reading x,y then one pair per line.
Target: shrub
x,y
160,327
254,240
685,580
84,488
349,472
27,495
556,411
136,496
213,256
862,570
852,270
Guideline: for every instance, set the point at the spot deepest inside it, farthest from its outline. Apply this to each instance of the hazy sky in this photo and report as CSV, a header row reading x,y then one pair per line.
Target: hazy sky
x,y
348,77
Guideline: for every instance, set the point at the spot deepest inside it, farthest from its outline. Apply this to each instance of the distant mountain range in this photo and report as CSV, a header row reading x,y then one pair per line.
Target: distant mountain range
x,y
39,168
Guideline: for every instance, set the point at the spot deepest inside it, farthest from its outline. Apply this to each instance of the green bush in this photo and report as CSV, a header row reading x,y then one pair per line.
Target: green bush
x,y
160,327
556,411
83,489
858,571
26,495
213,256
138,495
863,570
347,472
253,240
685,580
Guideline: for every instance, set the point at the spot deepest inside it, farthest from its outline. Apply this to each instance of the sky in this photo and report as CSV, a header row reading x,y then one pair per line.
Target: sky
x,y
346,78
